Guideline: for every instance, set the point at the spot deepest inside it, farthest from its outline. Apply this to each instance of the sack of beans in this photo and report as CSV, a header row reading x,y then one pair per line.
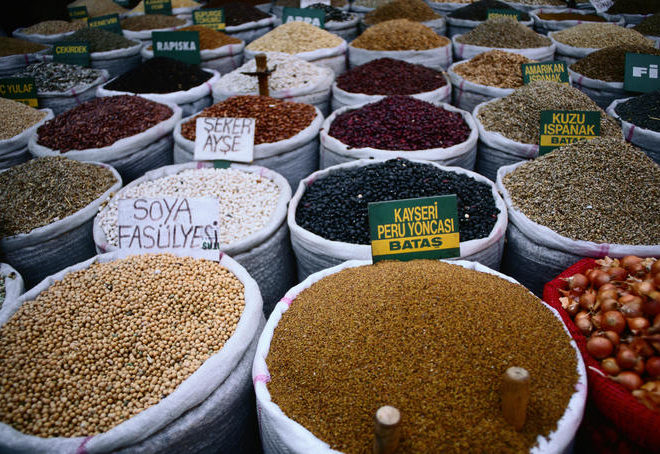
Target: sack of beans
x,y
509,127
383,77
180,8
414,10
395,323
503,33
146,366
466,18
18,124
253,202
131,133
278,6
167,81
555,221
249,31
305,41
11,284
650,27
16,54
602,92
550,20
139,28
242,20
46,211
328,215
285,139
462,26
419,130
486,76
639,121
293,79
48,31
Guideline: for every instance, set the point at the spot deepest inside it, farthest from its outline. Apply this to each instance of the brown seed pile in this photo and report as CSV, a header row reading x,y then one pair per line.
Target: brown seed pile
x,y
596,36
53,27
294,38
107,342
518,115
276,119
609,63
431,339
494,68
16,117
44,190
649,26
504,32
14,46
415,10
571,16
602,190
151,22
100,7
399,34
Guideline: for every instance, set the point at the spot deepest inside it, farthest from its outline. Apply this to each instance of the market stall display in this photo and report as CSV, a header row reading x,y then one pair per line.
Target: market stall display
x,y
48,31
180,8
639,121
464,19
243,21
551,20
99,7
18,123
413,10
16,54
632,11
338,22
11,284
139,28
650,27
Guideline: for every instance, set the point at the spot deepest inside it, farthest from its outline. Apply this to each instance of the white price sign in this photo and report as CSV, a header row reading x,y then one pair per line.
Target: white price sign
x,y
226,139
601,5
306,3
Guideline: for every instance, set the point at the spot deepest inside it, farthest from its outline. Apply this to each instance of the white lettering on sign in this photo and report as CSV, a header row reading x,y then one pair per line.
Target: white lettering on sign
x,y
176,45
310,20
306,3
170,224
227,139
641,71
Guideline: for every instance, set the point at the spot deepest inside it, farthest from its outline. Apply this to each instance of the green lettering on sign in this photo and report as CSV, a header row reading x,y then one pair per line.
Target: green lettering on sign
x,y
563,127
71,52
491,12
21,89
554,71
423,228
109,23
77,12
642,73
213,18
312,16
183,46
158,7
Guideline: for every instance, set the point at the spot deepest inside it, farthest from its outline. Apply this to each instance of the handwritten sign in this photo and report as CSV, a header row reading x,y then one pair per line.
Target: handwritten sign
x,y
109,23
641,73
182,46
312,16
491,12
554,71
228,139
212,18
158,7
71,52
21,89
563,127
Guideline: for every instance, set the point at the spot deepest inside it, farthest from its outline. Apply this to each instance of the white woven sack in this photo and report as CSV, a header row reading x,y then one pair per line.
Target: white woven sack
x,y
61,101
342,98
12,64
215,390
535,254
250,31
494,150
265,254
330,57
527,7
15,150
131,156
467,51
444,8
647,140
314,253
467,95
117,61
224,59
655,39
569,54
438,58
347,30
628,19
189,101
333,151
457,26
293,158
545,26
601,92
48,249
13,283
439,25
278,10
39,38
282,435
145,35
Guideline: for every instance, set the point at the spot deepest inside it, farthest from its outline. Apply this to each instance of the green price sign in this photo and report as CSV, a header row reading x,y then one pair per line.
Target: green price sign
x,y
310,15
183,46
77,12
109,23
563,127
21,89
491,12
158,7
554,71
641,73
71,52
212,18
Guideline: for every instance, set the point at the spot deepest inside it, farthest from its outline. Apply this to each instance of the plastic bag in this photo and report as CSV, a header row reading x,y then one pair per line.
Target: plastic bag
x,y
222,60
601,92
330,57
646,139
61,101
15,150
467,51
467,95
439,58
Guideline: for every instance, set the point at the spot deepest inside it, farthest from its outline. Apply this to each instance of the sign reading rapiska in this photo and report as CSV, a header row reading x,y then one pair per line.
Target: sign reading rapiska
x,y
182,46
563,127
423,228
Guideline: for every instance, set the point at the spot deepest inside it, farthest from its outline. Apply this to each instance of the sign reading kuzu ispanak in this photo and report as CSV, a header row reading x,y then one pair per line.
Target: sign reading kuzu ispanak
x,y
423,228
21,89
553,71
71,52
563,127
312,16
183,46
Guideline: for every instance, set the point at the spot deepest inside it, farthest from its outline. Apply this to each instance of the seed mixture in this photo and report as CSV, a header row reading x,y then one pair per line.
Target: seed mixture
x,y
15,46
430,338
246,200
503,32
160,75
139,8
478,11
518,115
107,342
332,14
494,68
399,34
237,13
16,117
294,38
336,206
151,22
100,40
602,190
52,27
596,36
44,190
609,64
59,77
414,10
649,26
275,119
643,111
99,7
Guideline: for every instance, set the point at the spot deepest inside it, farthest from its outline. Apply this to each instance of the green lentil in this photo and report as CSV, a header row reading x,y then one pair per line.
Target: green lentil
x,y
14,46
430,338
399,34
602,190
151,22
16,117
53,27
597,35
59,77
609,63
504,32
100,40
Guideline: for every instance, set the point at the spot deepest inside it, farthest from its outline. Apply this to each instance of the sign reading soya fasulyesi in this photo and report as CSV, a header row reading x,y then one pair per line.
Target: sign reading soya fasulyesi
x,y
77,12
213,18
554,71
21,89
492,12
226,139
641,73
170,224
424,228
310,15
563,127
158,7
71,52
183,46
109,23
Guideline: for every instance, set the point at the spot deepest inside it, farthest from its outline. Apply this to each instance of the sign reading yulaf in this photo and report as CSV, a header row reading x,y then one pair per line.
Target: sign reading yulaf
x,y
21,89
183,46
71,52
641,73
554,71
212,18
171,224
563,127
158,7
424,228
491,12
77,12
226,139
109,23
310,15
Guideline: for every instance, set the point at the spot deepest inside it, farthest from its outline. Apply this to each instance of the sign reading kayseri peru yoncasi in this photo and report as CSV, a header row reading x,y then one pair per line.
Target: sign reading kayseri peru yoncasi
x,y
563,127
158,7
109,23
642,73
491,12
183,46
310,15
71,52
554,71
226,139
77,12
423,228
21,89
212,18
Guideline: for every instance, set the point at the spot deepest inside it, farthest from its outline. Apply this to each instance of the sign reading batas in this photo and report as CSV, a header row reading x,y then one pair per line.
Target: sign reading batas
x,y
225,139
212,18
423,228
183,46
71,52
312,16
21,89
554,71
563,127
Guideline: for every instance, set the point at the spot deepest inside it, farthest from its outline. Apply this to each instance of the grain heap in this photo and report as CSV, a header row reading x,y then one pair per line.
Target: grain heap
x,y
294,38
14,46
151,22
414,10
478,11
160,75
296,3
494,68
634,7
649,26
399,34
332,14
52,27
596,36
642,111
237,13
208,38
100,40
571,16
504,32
176,4
609,63
99,7
16,117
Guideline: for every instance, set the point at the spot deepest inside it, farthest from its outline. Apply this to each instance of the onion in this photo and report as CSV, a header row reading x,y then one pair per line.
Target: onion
x,y
656,279
655,268
632,309
588,299
641,347
609,304
612,336
610,366
577,281
613,321
626,358
643,288
617,273
599,277
637,324
609,286
629,260
606,294
638,368
630,380
652,305
597,320
583,322
599,347
653,366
